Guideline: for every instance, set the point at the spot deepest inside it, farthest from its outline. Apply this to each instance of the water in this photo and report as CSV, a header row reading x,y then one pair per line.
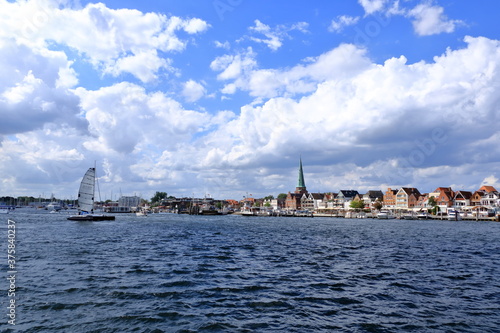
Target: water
x,y
173,273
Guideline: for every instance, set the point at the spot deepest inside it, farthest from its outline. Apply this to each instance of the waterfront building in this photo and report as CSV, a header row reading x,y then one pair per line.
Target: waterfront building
x,y
371,197
444,197
129,201
423,202
407,198
344,198
390,198
462,199
312,201
293,200
490,199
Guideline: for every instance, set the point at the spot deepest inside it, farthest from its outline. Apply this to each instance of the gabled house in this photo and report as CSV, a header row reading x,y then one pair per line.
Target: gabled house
x,y
390,198
444,197
344,198
462,199
476,198
407,197
371,197
328,200
311,201
490,199
423,202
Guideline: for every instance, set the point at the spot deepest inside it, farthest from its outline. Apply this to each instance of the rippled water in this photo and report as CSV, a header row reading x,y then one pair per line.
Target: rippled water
x,y
175,273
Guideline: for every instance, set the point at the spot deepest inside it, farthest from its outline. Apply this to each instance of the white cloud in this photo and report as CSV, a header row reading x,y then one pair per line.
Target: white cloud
x,y
427,18
372,6
114,40
275,36
193,91
342,22
344,61
221,45
396,119
430,20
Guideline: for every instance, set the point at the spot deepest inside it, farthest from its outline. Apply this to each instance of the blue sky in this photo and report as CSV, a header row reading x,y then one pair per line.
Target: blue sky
x,y
222,97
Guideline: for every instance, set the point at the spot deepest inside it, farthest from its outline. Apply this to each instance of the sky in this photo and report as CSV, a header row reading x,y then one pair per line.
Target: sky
x,y
222,98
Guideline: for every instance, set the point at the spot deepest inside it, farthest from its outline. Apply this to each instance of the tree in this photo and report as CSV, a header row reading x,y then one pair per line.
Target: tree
x,y
282,196
269,197
158,197
357,204
378,205
432,202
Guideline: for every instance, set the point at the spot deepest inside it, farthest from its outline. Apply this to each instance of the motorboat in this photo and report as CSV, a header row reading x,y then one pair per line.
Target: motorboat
x,y
384,215
454,215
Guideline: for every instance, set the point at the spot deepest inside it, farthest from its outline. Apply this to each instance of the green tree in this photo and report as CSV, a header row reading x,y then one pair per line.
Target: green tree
x,y
378,205
357,204
158,197
282,196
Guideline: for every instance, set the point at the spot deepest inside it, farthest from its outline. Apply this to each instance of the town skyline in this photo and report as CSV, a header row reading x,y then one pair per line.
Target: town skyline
x,y
222,98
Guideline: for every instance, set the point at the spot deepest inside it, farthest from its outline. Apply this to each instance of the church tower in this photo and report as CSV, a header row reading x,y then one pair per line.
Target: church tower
x,y
301,184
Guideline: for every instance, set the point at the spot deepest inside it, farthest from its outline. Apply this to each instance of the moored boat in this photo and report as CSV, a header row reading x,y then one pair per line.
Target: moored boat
x,y
384,215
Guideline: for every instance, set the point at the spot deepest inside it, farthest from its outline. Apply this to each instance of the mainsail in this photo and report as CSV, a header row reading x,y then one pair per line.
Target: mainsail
x,y
86,192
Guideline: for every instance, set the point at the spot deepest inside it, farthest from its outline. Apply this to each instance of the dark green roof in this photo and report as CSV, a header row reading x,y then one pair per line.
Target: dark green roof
x,y
301,182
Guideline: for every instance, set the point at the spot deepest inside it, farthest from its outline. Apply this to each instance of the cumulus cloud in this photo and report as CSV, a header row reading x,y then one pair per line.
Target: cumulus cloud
x,y
395,120
342,22
114,40
372,6
193,91
430,20
427,18
338,63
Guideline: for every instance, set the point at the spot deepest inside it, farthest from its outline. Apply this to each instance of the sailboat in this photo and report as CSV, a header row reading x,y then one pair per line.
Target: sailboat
x,y
86,200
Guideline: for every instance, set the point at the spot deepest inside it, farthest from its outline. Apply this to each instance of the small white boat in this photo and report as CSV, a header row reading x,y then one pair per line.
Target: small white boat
x,y
142,212
384,215
423,216
453,215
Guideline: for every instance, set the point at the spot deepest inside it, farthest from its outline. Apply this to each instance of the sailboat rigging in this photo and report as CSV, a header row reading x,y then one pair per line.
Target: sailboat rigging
x,y
86,200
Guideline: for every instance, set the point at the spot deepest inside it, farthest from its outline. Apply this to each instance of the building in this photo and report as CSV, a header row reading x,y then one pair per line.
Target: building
x,y
407,198
444,197
462,199
344,198
293,199
371,197
312,201
129,202
390,198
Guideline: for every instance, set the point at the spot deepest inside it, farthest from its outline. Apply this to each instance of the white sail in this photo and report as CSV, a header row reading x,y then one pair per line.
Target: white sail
x,y
86,192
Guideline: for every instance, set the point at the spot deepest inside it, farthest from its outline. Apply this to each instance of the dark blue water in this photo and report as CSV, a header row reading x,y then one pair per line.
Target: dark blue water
x,y
171,273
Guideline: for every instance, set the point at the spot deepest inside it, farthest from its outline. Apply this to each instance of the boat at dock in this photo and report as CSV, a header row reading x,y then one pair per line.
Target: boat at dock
x,y
454,215
384,215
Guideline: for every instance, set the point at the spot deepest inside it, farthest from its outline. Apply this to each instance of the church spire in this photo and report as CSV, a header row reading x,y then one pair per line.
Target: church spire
x,y
301,184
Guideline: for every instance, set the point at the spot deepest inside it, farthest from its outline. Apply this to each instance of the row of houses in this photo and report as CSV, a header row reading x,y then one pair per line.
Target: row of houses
x,y
405,198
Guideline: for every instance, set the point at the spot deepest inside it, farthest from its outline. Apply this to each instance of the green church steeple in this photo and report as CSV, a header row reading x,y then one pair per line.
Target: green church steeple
x,y
301,184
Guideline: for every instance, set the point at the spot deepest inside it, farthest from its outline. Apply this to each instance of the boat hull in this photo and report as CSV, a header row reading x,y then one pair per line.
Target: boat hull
x,y
90,217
